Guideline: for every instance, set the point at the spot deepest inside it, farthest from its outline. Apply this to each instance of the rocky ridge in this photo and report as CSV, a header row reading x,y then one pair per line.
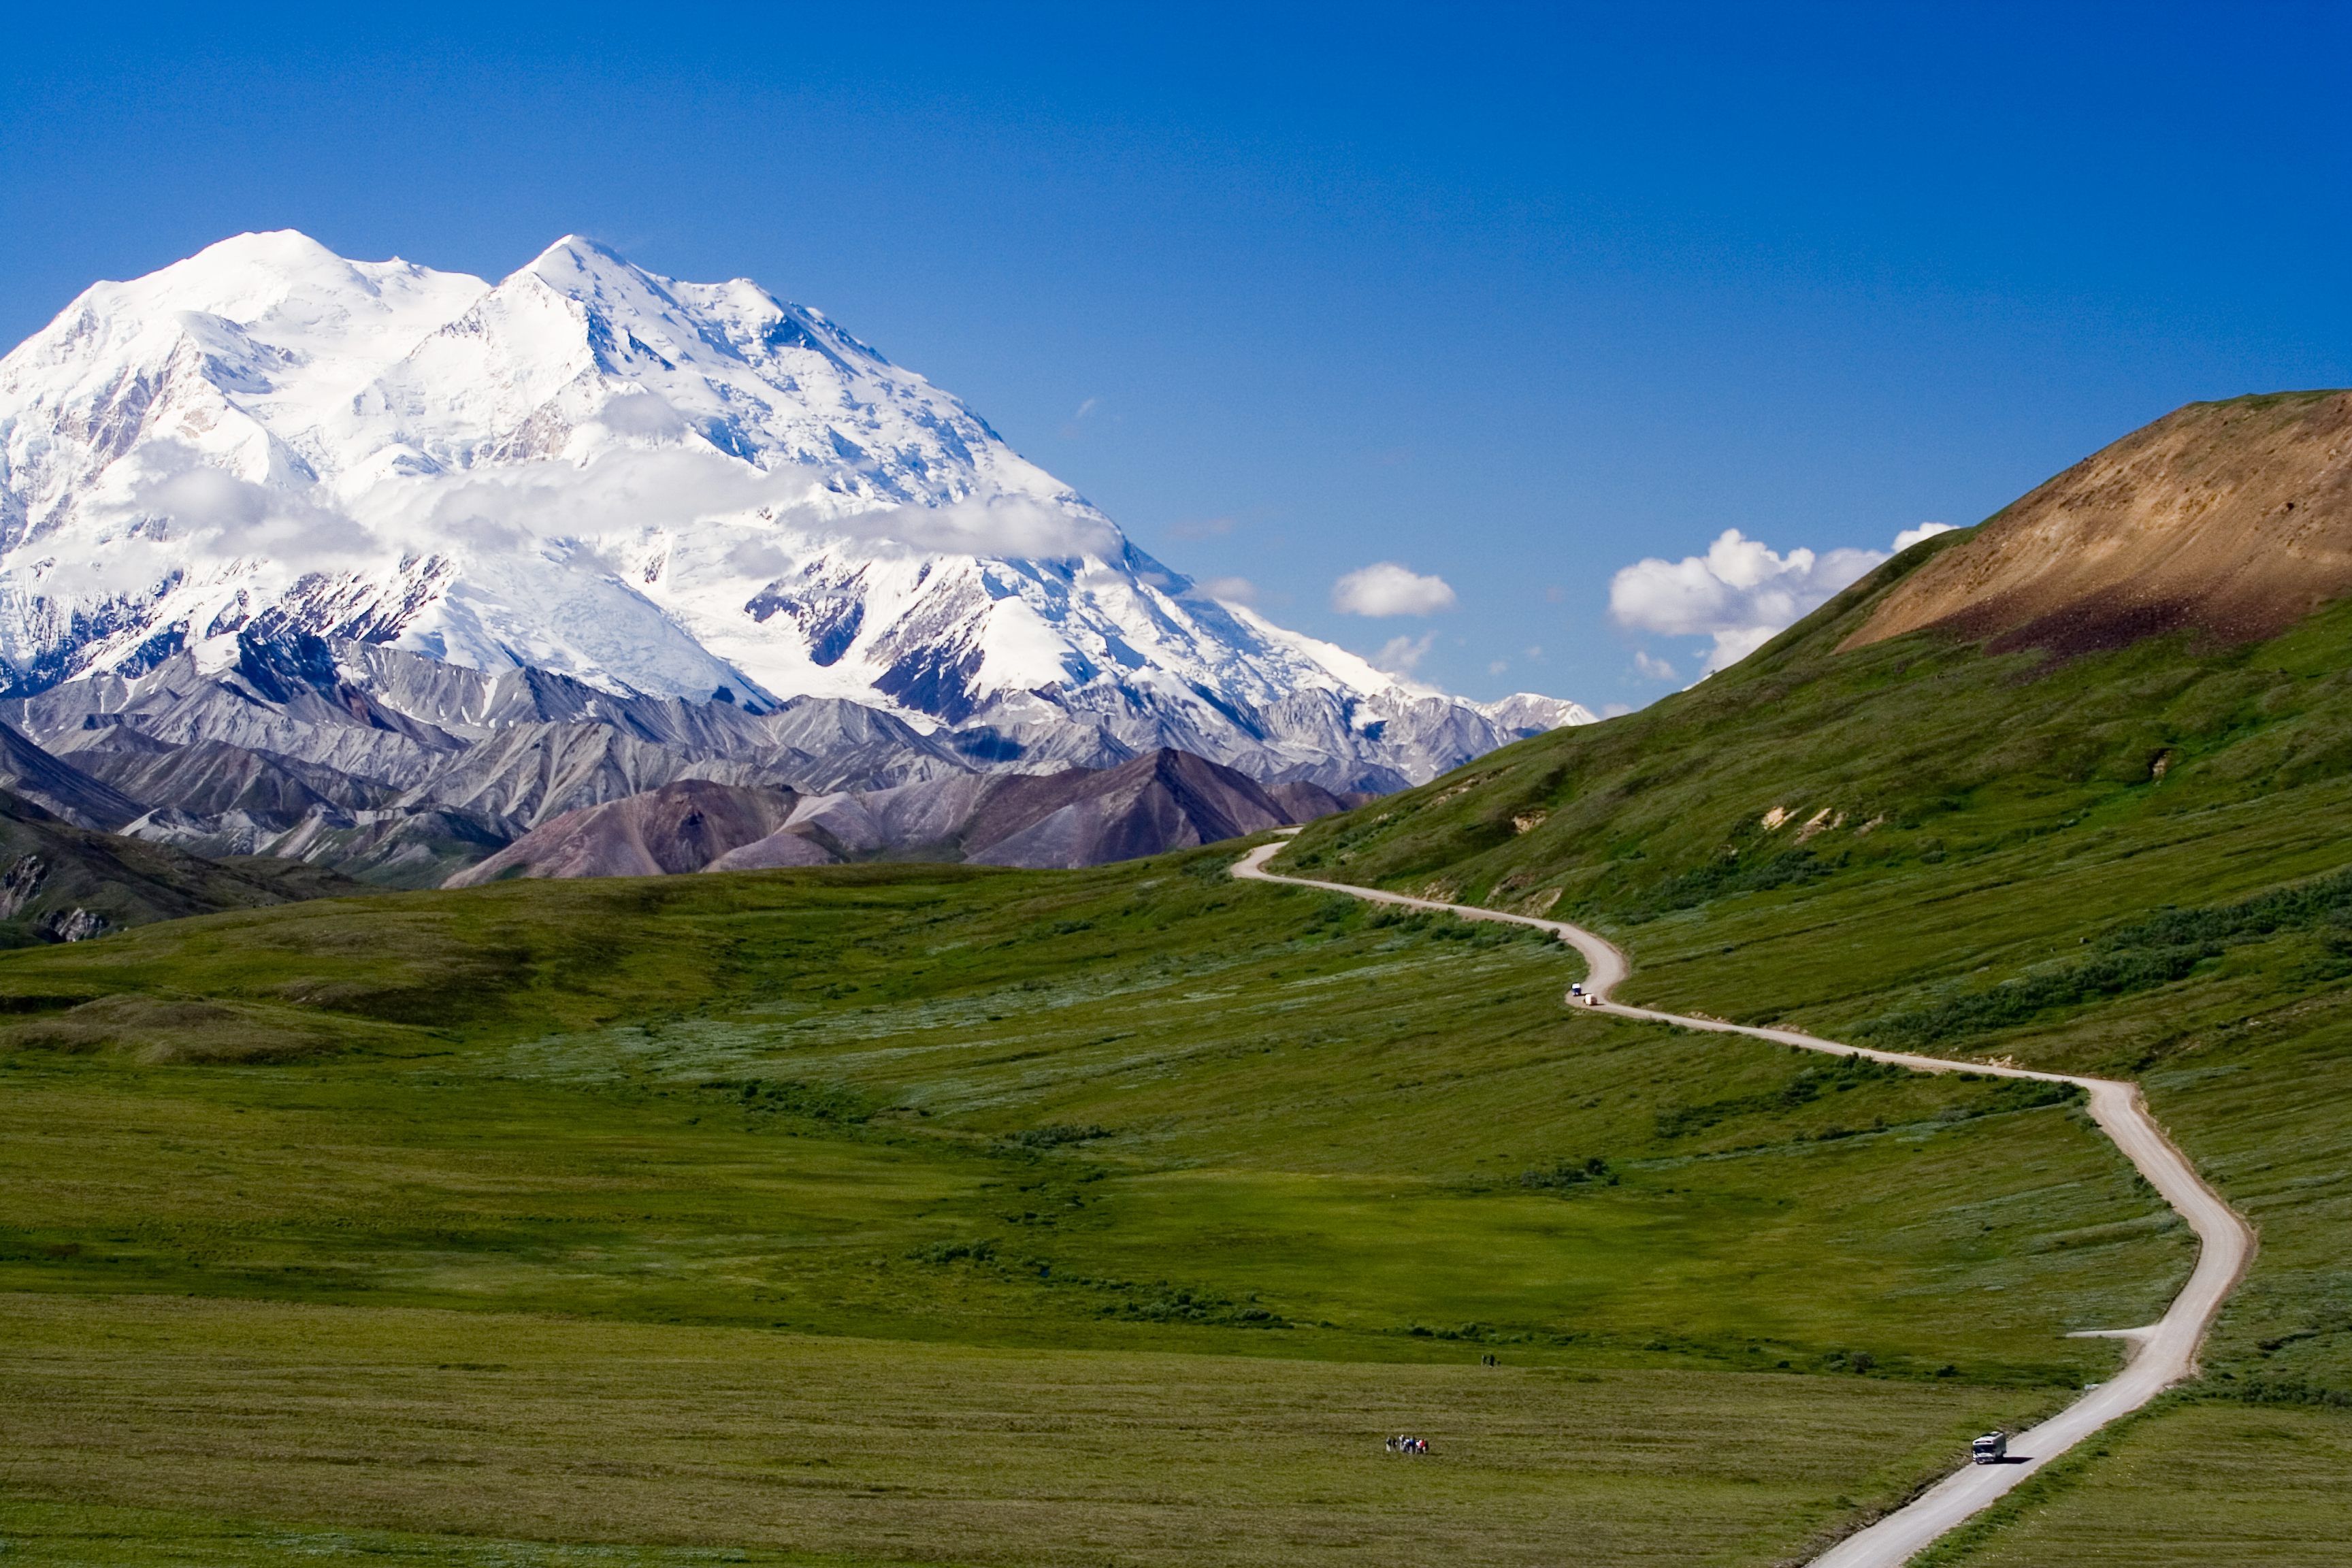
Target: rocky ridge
x,y
1078,816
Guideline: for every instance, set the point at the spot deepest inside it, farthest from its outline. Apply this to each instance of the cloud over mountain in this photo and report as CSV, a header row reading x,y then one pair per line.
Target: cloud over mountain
x,y
1402,654
1385,588
1741,593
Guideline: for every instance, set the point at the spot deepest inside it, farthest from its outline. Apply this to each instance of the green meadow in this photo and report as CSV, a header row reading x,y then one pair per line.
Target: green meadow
x,y
937,1214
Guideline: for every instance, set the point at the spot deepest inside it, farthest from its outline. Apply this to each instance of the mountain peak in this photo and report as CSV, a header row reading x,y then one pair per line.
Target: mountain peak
x,y
652,487
271,249
576,256
241,279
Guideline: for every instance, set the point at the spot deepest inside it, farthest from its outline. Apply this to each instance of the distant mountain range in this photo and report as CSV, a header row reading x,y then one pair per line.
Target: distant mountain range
x,y
81,857
443,558
407,804
63,883
1079,816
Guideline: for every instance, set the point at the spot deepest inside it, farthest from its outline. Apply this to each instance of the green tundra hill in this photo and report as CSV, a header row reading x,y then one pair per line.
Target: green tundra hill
x,y
2135,861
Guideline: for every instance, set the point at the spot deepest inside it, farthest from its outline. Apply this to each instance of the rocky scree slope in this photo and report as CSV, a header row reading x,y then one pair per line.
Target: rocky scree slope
x,y
77,795
368,516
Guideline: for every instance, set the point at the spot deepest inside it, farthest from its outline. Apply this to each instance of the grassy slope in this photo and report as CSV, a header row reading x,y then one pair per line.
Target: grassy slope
x,y
2028,827
748,1181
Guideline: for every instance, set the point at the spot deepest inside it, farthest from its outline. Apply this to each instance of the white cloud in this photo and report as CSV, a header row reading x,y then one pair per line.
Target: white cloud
x,y
1385,588
197,518
224,518
1911,536
1013,526
1402,655
625,491
1740,593
168,515
1074,426
1497,667
641,412
1231,590
1652,668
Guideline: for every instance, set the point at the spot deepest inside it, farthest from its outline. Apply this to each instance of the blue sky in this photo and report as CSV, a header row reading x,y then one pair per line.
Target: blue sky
x,y
1512,299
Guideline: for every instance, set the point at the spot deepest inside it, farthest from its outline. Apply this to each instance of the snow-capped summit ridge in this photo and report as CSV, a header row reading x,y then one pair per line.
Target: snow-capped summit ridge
x,y
650,486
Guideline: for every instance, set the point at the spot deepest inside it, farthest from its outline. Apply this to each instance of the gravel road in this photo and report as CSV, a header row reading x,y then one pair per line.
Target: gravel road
x,y
2163,1353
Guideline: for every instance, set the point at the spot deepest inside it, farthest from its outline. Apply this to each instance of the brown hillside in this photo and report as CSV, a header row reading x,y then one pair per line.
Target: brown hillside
x,y
681,826
2233,519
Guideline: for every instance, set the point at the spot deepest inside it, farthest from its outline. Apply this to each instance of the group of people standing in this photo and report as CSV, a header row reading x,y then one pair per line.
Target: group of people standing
x,y
1401,1445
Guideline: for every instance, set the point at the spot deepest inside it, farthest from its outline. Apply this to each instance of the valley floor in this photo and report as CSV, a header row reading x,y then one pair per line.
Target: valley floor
x,y
925,1214
2130,864
151,1413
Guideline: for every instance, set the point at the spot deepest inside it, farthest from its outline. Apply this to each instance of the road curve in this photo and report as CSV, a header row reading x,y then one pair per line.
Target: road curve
x,y
2163,1353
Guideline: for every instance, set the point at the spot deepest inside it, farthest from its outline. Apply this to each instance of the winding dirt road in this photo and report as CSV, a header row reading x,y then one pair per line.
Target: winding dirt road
x,y
2163,1353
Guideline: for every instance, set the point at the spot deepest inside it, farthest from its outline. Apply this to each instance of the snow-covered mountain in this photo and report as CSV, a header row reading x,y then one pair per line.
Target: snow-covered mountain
x,y
665,492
